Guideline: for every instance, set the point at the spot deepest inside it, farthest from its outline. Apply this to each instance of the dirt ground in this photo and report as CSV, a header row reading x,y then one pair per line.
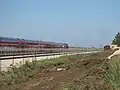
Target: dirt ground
x,y
86,73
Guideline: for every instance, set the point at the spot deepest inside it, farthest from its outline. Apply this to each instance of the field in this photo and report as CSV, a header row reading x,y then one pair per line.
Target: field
x,y
79,72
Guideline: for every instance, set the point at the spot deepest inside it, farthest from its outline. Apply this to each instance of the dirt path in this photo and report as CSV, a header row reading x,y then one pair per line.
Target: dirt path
x,y
87,73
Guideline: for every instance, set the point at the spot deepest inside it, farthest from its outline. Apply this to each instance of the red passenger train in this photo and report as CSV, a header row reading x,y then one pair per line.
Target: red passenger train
x,y
23,43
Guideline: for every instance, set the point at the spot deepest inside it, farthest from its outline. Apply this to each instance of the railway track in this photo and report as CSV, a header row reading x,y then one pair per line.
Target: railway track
x,y
16,52
28,56
41,55
20,54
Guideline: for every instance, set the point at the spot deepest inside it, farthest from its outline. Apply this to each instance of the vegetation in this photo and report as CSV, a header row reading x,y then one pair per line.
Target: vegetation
x,y
117,39
30,70
90,72
94,74
113,75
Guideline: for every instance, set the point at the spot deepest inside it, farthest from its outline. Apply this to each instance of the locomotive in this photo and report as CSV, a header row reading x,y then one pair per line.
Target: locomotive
x,y
24,43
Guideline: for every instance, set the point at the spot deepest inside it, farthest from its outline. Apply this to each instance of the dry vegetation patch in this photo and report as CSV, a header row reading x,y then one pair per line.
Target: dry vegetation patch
x,y
77,72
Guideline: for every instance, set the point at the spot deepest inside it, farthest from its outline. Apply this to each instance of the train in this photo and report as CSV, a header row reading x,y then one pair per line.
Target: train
x,y
24,43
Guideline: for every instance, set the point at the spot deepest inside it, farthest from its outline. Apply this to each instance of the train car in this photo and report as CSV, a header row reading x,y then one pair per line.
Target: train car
x,y
23,43
55,45
50,44
12,42
9,42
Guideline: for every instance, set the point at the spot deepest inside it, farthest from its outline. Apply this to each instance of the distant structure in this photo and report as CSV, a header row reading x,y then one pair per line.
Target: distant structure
x,y
106,47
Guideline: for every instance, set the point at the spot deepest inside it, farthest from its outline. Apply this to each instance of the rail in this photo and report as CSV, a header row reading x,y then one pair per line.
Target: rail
x,y
28,56
15,52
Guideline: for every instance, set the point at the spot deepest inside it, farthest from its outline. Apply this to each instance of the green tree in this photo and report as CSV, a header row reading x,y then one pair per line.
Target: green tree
x,y
117,39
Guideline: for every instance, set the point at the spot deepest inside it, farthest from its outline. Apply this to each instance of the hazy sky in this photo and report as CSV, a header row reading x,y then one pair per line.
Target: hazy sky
x,y
77,22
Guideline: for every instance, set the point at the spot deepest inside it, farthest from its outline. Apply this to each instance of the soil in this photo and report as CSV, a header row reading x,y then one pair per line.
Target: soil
x,y
87,72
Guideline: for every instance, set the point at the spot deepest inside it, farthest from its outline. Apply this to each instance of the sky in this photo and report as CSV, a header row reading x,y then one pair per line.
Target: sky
x,y
76,22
